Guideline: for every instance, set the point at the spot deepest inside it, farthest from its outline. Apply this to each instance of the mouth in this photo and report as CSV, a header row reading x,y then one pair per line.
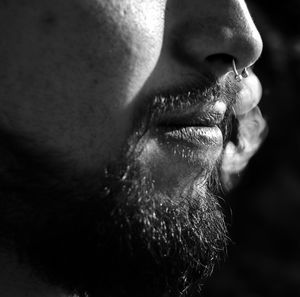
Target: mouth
x,y
192,134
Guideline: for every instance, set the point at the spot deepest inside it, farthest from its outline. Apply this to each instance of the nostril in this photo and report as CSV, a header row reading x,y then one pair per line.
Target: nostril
x,y
220,64
224,59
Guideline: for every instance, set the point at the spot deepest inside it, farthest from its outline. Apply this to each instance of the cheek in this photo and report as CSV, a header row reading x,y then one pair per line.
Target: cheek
x,y
127,47
74,70
130,42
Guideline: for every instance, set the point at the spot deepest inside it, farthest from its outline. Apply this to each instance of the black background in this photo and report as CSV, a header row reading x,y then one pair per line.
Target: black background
x,y
264,214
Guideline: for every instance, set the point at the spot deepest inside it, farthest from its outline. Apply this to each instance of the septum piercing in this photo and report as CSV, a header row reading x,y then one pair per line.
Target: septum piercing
x,y
238,77
245,73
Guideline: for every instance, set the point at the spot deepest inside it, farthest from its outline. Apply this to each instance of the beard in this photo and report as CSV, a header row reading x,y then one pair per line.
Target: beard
x,y
108,233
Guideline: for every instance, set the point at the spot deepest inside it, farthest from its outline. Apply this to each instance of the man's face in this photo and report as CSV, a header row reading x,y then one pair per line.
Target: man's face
x,y
144,86
75,74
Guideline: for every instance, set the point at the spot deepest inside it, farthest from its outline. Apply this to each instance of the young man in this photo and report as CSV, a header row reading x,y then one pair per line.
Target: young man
x,y
115,121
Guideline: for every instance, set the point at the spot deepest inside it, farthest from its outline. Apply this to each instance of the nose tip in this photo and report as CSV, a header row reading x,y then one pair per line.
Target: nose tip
x,y
221,35
246,46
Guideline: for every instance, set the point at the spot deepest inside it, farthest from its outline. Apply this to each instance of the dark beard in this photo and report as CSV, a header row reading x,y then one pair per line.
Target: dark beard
x,y
112,238
107,233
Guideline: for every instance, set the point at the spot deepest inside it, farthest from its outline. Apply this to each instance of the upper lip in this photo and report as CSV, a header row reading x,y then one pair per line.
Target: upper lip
x,y
198,115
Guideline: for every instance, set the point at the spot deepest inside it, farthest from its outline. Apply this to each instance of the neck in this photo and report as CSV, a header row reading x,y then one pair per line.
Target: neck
x,y
18,280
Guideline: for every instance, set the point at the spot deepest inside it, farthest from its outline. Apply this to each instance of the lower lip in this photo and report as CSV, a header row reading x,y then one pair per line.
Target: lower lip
x,y
191,143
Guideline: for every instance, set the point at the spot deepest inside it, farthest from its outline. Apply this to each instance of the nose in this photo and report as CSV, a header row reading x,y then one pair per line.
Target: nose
x,y
212,33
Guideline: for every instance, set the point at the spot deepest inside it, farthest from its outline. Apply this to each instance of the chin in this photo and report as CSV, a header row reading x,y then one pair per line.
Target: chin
x,y
177,166
133,229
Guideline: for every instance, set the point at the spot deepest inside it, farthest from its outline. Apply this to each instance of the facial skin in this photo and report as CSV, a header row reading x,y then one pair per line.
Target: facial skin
x,y
98,99
73,75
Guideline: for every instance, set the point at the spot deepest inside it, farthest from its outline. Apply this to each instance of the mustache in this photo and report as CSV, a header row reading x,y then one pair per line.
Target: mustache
x,y
201,92
206,92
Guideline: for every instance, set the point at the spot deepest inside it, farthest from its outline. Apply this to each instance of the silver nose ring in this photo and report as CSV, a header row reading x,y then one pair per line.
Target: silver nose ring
x,y
238,77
